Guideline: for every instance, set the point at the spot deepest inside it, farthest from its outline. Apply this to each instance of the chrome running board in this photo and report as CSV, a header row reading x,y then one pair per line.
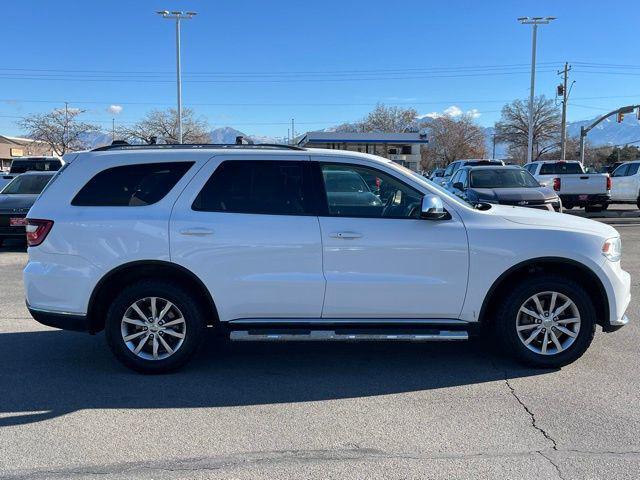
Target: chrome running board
x,y
344,336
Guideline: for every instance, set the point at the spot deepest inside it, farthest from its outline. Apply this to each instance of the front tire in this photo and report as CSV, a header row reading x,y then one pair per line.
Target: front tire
x,y
546,322
154,326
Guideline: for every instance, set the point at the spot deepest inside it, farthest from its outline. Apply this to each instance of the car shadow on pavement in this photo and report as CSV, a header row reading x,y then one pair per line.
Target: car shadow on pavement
x,y
46,374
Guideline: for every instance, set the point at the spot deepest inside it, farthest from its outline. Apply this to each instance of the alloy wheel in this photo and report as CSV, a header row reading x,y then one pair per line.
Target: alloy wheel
x,y
153,328
548,323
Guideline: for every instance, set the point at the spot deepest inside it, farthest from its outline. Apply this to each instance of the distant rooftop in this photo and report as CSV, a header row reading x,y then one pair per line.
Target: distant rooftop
x,y
369,137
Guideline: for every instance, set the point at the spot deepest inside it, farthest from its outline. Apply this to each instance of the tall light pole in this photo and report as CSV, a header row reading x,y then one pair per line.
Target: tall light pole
x,y
534,21
177,16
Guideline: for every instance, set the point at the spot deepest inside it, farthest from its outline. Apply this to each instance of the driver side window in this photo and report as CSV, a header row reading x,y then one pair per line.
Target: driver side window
x,y
357,191
621,171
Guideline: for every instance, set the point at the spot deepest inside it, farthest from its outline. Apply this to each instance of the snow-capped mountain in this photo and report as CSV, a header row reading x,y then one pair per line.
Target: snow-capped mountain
x,y
229,134
609,132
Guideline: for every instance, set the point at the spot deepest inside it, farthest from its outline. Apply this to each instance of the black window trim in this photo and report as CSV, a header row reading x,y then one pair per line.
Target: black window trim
x,y
191,163
321,195
307,176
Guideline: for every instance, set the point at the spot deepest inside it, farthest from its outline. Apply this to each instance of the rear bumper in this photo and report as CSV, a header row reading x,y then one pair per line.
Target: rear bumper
x,y
64,321
591,199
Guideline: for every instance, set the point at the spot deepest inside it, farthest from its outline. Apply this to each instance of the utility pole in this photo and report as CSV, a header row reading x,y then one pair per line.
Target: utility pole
x,y
177,16
293,135
493,155
565,97
534,22
113,129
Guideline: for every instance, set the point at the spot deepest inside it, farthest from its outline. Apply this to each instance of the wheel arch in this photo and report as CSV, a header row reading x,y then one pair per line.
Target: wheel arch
x,y
113,282
572,269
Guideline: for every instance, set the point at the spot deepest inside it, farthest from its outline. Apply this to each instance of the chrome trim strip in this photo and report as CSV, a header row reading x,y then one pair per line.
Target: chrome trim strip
x,y
338,321
329,335
55,312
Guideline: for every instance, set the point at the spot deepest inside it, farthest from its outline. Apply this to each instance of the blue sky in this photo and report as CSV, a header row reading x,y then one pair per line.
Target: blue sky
x,y
254,65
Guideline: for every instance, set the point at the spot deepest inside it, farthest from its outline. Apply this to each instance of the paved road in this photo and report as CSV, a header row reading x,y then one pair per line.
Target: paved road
x,y
251,411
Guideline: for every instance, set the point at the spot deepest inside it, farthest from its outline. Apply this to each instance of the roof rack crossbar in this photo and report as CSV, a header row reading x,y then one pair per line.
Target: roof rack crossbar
x,y
195,146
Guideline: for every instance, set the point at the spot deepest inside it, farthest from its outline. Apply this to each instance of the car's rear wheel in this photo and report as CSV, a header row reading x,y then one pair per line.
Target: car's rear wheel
x,y
546,322
154,327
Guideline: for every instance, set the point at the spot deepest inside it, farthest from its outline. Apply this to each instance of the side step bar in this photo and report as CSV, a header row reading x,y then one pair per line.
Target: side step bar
x,y
282,335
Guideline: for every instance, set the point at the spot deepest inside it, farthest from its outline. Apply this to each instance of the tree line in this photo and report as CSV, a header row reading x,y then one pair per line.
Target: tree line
x,y
450,136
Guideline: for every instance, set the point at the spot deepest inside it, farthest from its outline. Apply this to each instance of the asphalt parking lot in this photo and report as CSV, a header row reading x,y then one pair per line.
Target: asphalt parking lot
x,y
347,411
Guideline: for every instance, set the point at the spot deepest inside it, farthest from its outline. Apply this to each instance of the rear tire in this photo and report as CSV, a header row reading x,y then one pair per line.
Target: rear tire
x,y
160,342
510,317
567,206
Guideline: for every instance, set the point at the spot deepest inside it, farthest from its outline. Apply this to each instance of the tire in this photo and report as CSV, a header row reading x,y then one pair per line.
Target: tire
x,y
567,206
184,307
605,206
638,203
509,315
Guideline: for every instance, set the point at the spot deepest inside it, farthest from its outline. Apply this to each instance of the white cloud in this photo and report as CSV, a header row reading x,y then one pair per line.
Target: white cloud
x,y
114,109
452,111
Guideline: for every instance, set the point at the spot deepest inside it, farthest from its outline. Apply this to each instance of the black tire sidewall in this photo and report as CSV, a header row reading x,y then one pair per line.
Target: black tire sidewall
x,y
506,321
191,311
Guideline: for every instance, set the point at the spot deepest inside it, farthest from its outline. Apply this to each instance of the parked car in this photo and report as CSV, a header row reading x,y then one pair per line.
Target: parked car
x,y
625,181
16,198
454,166
30,164
575,187
154,244
508,185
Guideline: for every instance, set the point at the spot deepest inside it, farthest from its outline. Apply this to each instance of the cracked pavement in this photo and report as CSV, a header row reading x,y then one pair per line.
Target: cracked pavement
x,y
258,411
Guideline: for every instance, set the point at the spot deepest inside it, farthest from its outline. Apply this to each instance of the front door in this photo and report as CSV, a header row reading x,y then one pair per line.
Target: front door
x,y
380,259
248,229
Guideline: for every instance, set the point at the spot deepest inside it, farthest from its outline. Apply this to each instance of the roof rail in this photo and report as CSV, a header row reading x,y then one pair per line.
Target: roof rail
x,y
197,146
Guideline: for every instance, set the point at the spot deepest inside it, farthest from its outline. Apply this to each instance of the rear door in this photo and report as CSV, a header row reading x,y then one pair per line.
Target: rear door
x,y
248,229
380,259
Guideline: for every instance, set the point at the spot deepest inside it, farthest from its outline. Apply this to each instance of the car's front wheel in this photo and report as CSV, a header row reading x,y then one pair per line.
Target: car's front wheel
x,y
154,326
546,322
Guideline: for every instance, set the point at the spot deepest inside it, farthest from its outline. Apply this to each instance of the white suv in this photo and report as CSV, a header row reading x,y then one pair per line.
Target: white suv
x,y
154,244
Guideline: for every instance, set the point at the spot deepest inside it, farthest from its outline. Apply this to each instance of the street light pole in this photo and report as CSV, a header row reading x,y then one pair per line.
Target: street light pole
x,y
534,22
177,16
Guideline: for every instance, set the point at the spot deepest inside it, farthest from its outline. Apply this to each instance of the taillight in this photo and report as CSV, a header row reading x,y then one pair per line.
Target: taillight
x,y
608,183
37,231
557,184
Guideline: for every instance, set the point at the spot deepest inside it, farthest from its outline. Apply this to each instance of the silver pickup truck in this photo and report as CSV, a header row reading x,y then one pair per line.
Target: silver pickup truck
x,y
574,186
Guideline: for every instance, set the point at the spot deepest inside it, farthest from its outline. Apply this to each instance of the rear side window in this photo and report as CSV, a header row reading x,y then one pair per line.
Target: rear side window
x,y
560,168
261,187
35,165
131,185
633,168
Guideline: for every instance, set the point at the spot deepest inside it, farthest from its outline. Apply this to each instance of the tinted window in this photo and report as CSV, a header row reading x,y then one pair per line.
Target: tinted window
x,y
560,168
265,187
27,185
374,193
621,171
502,178
463,178
633,168
131,185
44,165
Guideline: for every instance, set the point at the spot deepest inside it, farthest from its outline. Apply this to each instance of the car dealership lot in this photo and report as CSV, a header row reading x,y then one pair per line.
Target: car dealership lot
x,y
69,410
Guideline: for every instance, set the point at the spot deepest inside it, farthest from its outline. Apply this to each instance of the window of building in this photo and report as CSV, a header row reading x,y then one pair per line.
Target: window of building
x,y
259,187
406,150
131,185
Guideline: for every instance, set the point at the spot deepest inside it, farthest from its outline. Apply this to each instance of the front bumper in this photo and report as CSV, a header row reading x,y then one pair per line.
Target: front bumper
x,y
65,321
618,289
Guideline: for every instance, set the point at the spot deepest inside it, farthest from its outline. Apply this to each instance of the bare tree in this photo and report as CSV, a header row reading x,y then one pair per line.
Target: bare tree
x,y
163,125
60,129
513,127
384,119
452,138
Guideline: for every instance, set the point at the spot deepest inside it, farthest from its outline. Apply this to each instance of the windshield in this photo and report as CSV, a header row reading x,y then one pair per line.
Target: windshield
x,y
502,178
26,185
560,168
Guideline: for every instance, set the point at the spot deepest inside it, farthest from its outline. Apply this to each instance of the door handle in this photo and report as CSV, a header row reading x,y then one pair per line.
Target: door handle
x,y
196,232
346,235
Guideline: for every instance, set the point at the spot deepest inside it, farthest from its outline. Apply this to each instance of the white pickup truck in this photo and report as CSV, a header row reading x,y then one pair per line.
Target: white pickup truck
x,y
574,186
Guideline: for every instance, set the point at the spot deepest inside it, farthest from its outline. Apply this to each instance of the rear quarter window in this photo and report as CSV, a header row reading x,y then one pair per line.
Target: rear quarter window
x,y
131,185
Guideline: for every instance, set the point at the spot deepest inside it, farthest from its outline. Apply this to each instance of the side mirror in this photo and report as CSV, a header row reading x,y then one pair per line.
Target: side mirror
x,y
458,186
432,208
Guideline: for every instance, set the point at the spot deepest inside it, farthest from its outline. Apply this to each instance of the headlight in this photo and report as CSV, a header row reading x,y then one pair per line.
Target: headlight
x,y
612,249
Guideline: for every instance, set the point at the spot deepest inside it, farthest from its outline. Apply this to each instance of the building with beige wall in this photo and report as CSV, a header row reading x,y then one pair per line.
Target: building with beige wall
x,y
15,147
